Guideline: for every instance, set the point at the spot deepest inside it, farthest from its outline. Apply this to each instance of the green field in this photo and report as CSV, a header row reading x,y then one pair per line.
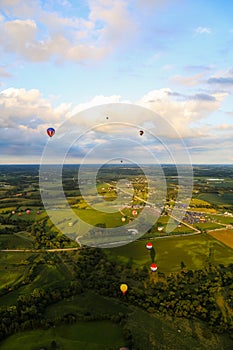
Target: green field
x,y
89,302
12,268
78,336
14,241
217,198
193,250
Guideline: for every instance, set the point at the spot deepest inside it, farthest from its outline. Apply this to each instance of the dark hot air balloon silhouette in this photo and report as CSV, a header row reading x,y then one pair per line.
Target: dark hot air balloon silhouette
x,y
50,132
141,132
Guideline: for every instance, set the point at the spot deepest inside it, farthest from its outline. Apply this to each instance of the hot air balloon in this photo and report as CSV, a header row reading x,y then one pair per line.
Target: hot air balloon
x,y
121,161
141,132
153,267
124,288
134,212
106,117
123,219
38,212
28,211
13,212
70,224
19,214
149,245
50,132
160,228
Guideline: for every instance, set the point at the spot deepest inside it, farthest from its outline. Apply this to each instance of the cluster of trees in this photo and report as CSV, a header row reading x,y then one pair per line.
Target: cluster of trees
x,y
45,238
188,294
28,313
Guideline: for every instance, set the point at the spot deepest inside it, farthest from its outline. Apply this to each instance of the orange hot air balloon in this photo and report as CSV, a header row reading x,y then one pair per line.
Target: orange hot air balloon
x,y
134,212
124,288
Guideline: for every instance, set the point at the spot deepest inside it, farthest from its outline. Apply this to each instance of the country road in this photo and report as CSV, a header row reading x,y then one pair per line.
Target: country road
x,y
39,250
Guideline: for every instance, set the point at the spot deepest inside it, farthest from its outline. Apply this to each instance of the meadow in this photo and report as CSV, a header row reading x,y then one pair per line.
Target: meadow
x,y
224,236
81,335
195,251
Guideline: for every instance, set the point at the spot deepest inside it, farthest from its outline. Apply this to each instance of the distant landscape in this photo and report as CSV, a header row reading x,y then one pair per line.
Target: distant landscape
x,y
60,293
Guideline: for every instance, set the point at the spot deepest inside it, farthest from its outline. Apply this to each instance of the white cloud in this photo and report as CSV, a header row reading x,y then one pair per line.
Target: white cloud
x,y
26,114
181,112
28,109
203,30
188,81
36,34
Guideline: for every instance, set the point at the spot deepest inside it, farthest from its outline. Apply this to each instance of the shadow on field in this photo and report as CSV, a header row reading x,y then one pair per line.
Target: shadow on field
x,y
152,255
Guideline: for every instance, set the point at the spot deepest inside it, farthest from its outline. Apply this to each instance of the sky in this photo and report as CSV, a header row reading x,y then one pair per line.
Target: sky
x,y
172,57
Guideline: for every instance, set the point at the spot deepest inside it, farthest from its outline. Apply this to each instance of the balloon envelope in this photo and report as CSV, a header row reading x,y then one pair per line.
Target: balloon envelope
x,y
141,132
149,245
134,212
153,267
124,288
50,132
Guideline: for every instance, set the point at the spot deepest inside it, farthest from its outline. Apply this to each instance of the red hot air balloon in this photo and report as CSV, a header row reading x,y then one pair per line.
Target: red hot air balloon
x,y
149,245
134,212
153,267
50,132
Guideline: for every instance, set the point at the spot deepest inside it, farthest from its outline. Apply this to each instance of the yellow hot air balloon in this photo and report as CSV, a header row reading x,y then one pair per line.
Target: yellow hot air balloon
x,y
124,288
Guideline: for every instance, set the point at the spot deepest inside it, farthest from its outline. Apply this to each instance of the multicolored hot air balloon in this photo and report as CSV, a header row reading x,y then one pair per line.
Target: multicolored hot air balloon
x,y
153,267
50,132
123,288
149,245
141,132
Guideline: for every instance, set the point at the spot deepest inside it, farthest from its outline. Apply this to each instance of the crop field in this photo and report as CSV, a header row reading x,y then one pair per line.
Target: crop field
x,y
193,250
225,236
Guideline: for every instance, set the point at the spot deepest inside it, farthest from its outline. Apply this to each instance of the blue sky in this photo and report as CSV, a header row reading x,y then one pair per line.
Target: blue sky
x,y
173,57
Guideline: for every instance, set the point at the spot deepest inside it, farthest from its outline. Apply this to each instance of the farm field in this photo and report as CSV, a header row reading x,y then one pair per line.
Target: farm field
x,y
225,236
76,294
195,251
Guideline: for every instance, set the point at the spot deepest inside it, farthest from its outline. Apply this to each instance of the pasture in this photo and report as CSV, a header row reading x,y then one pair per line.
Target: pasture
x,y
81,335
89,302
195,251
